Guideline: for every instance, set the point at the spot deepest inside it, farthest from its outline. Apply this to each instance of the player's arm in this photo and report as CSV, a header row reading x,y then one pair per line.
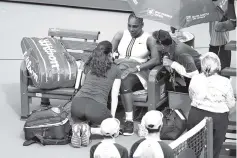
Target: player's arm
x,y
182,71
155,55
116,40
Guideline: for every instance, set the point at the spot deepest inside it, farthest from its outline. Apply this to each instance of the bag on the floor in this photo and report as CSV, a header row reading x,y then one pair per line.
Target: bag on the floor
x,y
48,63
174,124
48,127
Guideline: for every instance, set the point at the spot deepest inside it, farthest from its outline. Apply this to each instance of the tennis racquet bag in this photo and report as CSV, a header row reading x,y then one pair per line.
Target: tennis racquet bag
x,y
47,127
48,63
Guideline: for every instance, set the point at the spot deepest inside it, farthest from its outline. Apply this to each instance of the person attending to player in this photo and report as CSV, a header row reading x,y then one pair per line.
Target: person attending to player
x,y
177,56
90,103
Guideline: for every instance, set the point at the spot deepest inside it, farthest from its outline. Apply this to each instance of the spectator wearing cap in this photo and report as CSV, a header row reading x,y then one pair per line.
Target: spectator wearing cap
x,y
212,96
151,146
177,55
108,148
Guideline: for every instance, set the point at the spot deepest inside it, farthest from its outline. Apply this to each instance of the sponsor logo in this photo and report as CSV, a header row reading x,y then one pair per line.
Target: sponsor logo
x,y
162,91
49,50
29,68
153,12
196,17
135,2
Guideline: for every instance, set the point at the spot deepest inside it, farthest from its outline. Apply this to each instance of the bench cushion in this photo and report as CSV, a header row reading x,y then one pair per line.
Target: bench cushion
x,y
228,71
138,96
60,91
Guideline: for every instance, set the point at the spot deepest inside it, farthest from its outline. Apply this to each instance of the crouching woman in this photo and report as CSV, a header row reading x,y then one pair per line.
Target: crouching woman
x,y
89,106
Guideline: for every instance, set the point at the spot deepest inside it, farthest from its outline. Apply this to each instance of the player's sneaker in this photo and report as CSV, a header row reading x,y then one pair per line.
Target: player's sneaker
x,y
76,135
85,134
128,128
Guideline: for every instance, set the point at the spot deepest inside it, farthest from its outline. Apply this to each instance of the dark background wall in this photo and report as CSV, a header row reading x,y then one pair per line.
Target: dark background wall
x,y
114,5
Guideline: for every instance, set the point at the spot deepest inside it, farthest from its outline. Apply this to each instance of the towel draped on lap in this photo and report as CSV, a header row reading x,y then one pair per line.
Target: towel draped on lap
x,y
125,63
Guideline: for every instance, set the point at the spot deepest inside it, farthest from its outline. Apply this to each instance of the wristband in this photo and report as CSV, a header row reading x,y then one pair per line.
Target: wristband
x,y
138,68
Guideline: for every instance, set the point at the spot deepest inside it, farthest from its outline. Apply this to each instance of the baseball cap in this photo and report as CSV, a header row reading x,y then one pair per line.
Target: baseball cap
x,y
162,37
152,119
110,127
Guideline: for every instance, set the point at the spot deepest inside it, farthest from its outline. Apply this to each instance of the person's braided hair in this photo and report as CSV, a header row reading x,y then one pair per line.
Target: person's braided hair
x,y
100,62
132,15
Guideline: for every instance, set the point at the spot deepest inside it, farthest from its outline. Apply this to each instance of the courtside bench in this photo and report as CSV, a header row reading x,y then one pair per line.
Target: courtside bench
x,y
80,44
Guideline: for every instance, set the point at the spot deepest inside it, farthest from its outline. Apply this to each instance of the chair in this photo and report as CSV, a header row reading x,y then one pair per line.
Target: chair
x,y
156,93
79,44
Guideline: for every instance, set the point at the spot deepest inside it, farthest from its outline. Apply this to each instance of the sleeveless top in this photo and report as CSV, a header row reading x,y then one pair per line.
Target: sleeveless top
x,y
134,48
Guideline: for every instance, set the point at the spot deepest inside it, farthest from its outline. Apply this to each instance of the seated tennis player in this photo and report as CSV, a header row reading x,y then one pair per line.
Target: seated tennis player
x,y
135,47
108,148
151,146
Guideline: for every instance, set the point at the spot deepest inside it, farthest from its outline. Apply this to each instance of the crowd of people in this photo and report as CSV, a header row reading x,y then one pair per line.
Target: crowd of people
x,y
137,53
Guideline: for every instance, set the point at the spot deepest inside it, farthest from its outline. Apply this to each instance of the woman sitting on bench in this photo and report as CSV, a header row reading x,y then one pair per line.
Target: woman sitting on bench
x,y
90,103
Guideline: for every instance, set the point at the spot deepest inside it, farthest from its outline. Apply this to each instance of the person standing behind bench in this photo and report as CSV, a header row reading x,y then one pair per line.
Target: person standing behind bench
x,y
135,47
219,34
212,96
90,103
217,44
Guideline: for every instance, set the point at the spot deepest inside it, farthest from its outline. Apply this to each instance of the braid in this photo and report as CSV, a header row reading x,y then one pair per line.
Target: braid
x,y
132,15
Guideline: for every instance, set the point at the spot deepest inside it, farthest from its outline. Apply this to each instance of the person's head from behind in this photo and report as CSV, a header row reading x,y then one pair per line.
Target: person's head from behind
x,y
150,148
110,127
153,121
164,40
100,60
162,37
135,25
210,63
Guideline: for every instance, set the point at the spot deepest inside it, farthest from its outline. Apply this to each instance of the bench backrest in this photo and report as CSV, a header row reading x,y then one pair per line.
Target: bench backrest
x,y
76,40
